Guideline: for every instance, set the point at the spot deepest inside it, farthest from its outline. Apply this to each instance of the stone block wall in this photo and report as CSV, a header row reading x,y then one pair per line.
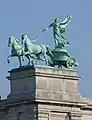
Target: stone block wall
x,y
44,93
19,112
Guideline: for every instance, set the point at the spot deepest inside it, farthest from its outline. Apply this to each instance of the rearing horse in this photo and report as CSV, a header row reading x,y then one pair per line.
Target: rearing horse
x,y
16,49
34,50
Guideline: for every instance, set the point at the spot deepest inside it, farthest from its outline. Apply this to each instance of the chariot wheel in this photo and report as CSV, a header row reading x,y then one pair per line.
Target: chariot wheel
x,y
70,63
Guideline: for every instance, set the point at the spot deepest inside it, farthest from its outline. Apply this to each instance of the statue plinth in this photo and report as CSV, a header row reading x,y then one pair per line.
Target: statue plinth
x,y
44,84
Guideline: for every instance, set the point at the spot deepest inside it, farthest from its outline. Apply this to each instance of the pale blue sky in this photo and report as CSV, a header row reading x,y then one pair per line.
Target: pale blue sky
x,y
31,16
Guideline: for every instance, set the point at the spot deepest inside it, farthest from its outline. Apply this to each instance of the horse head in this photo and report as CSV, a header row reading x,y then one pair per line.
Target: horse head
x,y
12,40
25,38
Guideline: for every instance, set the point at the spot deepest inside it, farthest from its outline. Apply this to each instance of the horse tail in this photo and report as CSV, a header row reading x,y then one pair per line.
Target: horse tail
x,y
49,52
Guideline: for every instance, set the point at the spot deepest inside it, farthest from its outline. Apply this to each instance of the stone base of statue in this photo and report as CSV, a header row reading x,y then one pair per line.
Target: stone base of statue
x,y
44,84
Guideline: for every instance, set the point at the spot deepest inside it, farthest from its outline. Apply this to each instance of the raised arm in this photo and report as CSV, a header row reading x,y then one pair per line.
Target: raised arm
x,y
66,20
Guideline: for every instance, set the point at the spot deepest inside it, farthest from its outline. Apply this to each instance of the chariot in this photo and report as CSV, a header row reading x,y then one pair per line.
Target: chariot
x,y
62,58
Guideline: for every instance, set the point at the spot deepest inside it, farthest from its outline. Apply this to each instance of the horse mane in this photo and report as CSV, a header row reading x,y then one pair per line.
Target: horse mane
x,y
17,41
28,37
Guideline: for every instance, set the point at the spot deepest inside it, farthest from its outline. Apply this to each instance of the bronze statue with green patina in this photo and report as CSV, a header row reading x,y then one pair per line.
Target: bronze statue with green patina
x,y
16,49
58,56
60,53
58,31
30,50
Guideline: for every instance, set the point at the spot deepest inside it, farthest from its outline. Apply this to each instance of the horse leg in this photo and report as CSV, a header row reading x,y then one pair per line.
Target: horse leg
x,y
22,58
38,58
29,59
19,57
46,59
43,52
22,54
8,59
27,56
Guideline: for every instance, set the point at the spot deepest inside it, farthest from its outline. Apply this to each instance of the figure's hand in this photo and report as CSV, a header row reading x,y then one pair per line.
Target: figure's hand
x,y
44,30
69,17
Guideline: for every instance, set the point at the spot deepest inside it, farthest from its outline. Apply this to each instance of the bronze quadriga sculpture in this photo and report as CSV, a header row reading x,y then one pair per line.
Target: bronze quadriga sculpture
x,y
58,56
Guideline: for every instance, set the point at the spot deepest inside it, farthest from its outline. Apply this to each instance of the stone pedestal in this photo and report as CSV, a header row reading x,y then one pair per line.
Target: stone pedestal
x,y
42,93
44,84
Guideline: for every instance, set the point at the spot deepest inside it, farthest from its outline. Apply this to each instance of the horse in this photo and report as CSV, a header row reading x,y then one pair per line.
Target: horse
x,y
33,50
16,49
